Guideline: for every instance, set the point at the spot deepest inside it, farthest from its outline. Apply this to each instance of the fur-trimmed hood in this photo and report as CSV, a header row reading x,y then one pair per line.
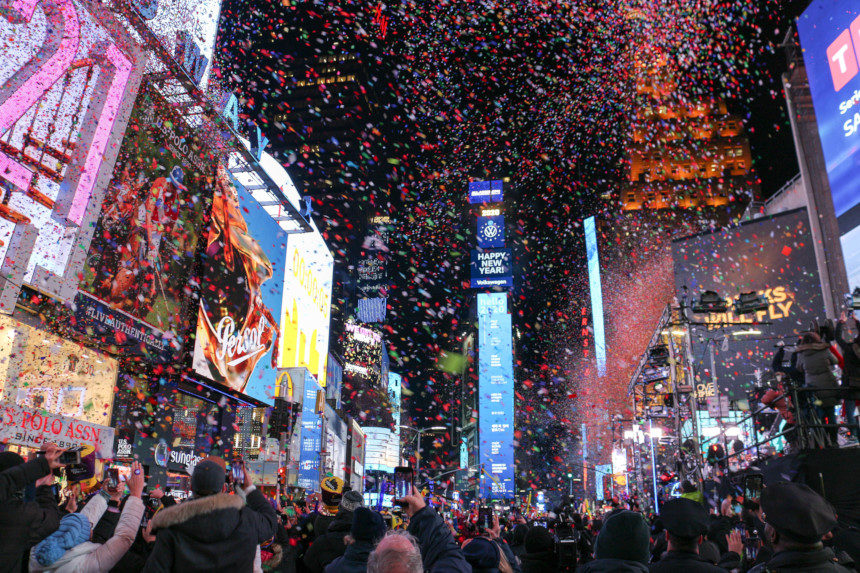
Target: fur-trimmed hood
x,y
812,347
209,518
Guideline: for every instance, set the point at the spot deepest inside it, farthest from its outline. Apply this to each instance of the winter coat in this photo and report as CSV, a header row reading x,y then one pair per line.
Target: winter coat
x,y
683,562
816,362
439,552
328,546
816,561
16,478
851,355
354,559
213,533
25,523
97,557
613,566
543,562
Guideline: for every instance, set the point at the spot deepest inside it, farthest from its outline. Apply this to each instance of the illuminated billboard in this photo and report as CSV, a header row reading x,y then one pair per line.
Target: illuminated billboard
x,y
486,191
381,449
135,289
306,307
773,257
491,268
241,293
596,293
496,398
830,35
311,438
491,231
372,272
66,86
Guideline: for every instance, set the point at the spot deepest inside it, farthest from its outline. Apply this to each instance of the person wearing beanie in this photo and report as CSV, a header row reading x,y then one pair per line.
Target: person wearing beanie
x,y
23,522
368,527
70,547
330,545
623,544
540,553
686,523
213,531
483,555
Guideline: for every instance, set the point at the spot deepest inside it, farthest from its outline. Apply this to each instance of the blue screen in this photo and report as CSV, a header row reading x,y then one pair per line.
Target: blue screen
x,y
491,232
830,37
485,191
491,267
596,295
309,459
496,401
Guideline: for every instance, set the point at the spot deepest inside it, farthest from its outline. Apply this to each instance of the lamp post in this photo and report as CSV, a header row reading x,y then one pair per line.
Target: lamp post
x,y
418,433
570,480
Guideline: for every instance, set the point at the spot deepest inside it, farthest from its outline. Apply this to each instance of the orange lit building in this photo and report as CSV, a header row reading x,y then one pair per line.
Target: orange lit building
x,y
684,153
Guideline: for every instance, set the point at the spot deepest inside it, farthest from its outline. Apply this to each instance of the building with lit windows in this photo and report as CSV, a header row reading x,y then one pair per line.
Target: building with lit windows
x,y
685,153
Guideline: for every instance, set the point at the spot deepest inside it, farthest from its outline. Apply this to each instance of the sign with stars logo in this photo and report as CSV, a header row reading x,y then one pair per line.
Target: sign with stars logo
x,y
491,232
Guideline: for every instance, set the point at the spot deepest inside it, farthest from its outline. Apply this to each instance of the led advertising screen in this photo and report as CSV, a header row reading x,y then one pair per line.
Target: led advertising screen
x,y
771,256
135,287
830,36
362,352
596,293
241,293
485,191
311,439
66,85
306,307
382,450
491,231
491,268
496,401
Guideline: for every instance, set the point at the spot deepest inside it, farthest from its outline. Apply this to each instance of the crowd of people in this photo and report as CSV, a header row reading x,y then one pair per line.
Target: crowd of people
x,y
234,527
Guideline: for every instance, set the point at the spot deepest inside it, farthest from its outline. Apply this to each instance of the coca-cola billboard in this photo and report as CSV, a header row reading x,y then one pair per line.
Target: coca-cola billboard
x,y
241,293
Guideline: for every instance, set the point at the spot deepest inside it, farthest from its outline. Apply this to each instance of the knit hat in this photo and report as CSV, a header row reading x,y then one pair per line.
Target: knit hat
x,y
367,525
74,529
624,535
351,501
331,490
538,540
9,460
482,554
208,478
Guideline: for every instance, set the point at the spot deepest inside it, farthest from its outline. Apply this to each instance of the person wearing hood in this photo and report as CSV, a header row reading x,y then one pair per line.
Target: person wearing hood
x,y
367,529
485,556
330,545
213,531
23,520
850,372
816,362
623,545
540,555
70,548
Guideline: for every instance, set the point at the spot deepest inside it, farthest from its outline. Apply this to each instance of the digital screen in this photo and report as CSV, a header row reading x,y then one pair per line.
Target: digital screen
x,y
241,295
491,268
485,191
395,390
596,293
306,308
381,449
830,36
55,128
311,439
496,401
773,257
491,232
135,289
362,353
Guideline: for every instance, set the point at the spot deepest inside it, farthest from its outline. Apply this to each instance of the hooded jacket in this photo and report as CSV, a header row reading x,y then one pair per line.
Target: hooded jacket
x,y
97,557
213,533
851,355
329,545
816,362
354,559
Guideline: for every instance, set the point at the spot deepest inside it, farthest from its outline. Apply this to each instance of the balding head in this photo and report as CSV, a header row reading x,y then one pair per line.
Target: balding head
x,y
397,552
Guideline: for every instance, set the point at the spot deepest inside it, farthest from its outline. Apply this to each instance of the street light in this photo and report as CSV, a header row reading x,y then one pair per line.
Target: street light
x,y
419,432
570,478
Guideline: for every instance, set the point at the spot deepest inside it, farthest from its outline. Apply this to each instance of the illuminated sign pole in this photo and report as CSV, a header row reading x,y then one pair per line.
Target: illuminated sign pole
x,y
491,267
596,295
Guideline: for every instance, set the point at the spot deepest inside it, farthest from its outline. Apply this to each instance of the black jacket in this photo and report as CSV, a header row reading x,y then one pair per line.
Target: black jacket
x,y
544,562
354,559
613,566
329,545
851,356
16,478
25,523
677,561
818,561
213,533
439,551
